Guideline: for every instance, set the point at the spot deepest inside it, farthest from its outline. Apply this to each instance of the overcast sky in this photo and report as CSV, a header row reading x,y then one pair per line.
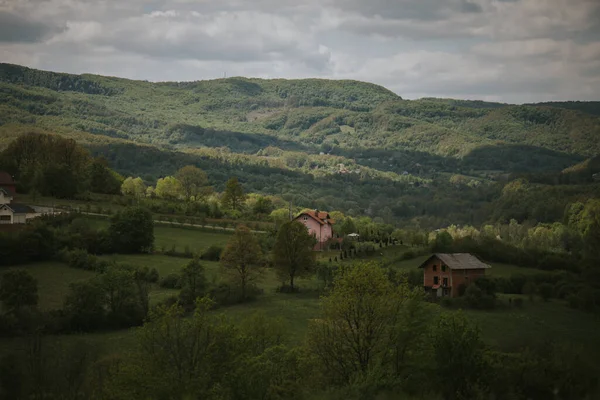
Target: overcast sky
x,y
502,50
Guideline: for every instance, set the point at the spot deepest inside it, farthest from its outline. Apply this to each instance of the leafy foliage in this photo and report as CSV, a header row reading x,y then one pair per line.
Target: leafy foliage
x,y
132,231
292,253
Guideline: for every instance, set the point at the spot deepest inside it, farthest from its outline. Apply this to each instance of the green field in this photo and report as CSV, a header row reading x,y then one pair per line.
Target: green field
x,y
538,322
165,237
505,328
53,280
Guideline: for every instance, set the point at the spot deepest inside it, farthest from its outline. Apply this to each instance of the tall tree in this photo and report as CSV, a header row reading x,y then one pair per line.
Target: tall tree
x,y
168,187
48,164
234,196
293,255
102,178
193,181
132,231
134,187
194,283
459,357
242,258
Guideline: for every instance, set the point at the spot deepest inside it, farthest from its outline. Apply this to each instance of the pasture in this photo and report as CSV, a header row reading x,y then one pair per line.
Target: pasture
x,y
165,237
507,328
53,280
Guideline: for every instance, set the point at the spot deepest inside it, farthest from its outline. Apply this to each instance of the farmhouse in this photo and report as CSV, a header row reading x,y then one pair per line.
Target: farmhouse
x,y
444,273
10,212
319,224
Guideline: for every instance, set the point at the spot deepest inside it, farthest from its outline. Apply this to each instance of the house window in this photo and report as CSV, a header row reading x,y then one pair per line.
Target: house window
x,y
445,282
436,280
305,218
435,267
5,218
443,268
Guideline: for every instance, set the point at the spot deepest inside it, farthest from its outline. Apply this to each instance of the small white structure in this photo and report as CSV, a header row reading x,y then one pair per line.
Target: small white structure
x,y
13,213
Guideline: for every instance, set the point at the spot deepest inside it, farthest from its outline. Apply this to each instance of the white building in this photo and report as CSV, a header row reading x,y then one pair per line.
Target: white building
x,y
13,213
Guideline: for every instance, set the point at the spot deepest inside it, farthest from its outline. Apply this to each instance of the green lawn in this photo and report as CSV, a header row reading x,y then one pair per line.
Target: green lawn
x,y
53,281
503,328
197,240
165,265
538,322
165,237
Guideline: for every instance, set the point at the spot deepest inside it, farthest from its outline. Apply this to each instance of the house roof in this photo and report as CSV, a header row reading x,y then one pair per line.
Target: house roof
x,y
322,217
19,208
458,261
6,179
7,191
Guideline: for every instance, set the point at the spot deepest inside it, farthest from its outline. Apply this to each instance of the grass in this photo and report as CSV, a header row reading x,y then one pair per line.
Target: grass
x,y
506,329
53,281
538,322
196,240
165,237
165,265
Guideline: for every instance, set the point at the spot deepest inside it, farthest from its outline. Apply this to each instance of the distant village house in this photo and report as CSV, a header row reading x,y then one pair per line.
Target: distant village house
x,y
10,212
319,224
444,273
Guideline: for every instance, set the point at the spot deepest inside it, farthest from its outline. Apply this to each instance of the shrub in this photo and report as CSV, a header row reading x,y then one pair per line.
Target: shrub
x,y
81,259
225,294
213,253
153,275
171,281
478,299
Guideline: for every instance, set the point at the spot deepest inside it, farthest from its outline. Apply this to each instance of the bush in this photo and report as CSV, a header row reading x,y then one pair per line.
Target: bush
x,y
171,281
213,253
478,299
81,259
225,294
153,275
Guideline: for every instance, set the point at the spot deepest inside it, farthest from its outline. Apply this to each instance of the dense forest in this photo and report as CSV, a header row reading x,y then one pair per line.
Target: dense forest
x,y
344,145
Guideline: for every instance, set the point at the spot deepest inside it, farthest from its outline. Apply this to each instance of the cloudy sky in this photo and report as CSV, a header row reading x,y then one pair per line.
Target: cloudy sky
x,y
503,50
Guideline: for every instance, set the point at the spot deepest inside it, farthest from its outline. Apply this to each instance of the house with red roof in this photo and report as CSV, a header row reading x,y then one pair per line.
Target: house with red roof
x,y
319,224
7,182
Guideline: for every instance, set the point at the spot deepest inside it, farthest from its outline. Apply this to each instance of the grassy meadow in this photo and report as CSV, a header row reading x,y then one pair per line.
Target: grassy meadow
x,y
505,327
53,280
165,237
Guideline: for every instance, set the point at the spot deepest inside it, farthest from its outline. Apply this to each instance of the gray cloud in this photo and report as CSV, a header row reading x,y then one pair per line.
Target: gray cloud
x,y
14,28
503,50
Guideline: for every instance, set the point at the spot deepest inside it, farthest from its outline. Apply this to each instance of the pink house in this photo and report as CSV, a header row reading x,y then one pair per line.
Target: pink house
x,y
319,224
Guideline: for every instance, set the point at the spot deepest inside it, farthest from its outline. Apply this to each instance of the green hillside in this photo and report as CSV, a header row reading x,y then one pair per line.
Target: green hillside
x,y
331,144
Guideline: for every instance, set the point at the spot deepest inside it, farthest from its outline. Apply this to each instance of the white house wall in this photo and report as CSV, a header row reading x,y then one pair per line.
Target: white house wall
x,y
19,218
5,199
4,212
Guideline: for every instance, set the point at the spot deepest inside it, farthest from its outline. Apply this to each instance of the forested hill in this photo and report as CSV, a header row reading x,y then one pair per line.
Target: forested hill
x,y
311,139
309,115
